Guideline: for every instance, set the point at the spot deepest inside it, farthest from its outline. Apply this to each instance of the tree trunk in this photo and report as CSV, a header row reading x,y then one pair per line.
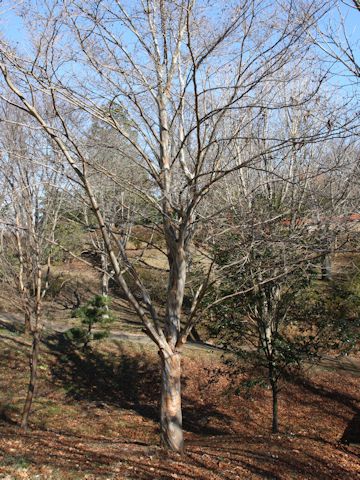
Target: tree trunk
x,y
326,268
105,275
33,380
275,420
21,284
27,322
194,335
171,415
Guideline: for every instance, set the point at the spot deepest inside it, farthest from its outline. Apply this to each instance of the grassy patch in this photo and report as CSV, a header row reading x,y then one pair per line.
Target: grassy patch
x,y
17,461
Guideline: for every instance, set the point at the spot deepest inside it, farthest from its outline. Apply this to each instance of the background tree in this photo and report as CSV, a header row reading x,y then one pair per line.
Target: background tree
x,y
340,44
32,184
283,220
95,313
113,177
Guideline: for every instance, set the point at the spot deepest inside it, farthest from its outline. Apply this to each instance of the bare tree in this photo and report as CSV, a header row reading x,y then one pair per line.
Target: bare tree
x,y
192,79
32,187
112,169
341,45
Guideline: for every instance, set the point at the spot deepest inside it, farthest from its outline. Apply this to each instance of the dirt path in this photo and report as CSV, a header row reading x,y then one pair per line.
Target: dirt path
x,y
60,326
347,364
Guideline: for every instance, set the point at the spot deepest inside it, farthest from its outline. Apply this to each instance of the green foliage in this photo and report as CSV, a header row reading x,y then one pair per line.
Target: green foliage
x,y
94,314
70,237
331,313
154,280
56,284
285,316
246,387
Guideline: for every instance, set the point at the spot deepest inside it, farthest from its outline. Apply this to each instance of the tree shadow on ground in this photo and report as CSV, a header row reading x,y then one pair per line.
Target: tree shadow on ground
x,y
5,413
221,457
125,381
269,457
333,395
352,431
351,434
13,326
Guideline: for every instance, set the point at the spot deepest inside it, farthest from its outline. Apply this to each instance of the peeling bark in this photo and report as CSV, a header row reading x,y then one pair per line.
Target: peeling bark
x,y
170,414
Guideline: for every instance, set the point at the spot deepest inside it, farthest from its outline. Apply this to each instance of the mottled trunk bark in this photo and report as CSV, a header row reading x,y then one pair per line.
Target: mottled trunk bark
x,y
105,283
171,415
34,358
105,275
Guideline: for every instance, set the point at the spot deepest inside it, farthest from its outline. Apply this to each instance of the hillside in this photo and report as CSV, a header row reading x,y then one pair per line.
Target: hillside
x,y
96,416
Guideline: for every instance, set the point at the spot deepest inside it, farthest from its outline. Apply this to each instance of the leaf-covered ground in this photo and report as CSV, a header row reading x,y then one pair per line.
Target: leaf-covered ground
x,y
96,417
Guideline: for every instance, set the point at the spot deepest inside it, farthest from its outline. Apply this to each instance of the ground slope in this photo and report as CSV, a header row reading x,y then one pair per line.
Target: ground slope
x,y
96,417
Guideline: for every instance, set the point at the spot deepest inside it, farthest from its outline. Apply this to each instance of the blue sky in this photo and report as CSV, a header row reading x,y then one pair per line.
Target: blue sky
x,y
352,17
12,27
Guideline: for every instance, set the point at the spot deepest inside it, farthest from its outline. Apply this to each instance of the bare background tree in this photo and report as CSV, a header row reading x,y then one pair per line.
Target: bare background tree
x,y
32,183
